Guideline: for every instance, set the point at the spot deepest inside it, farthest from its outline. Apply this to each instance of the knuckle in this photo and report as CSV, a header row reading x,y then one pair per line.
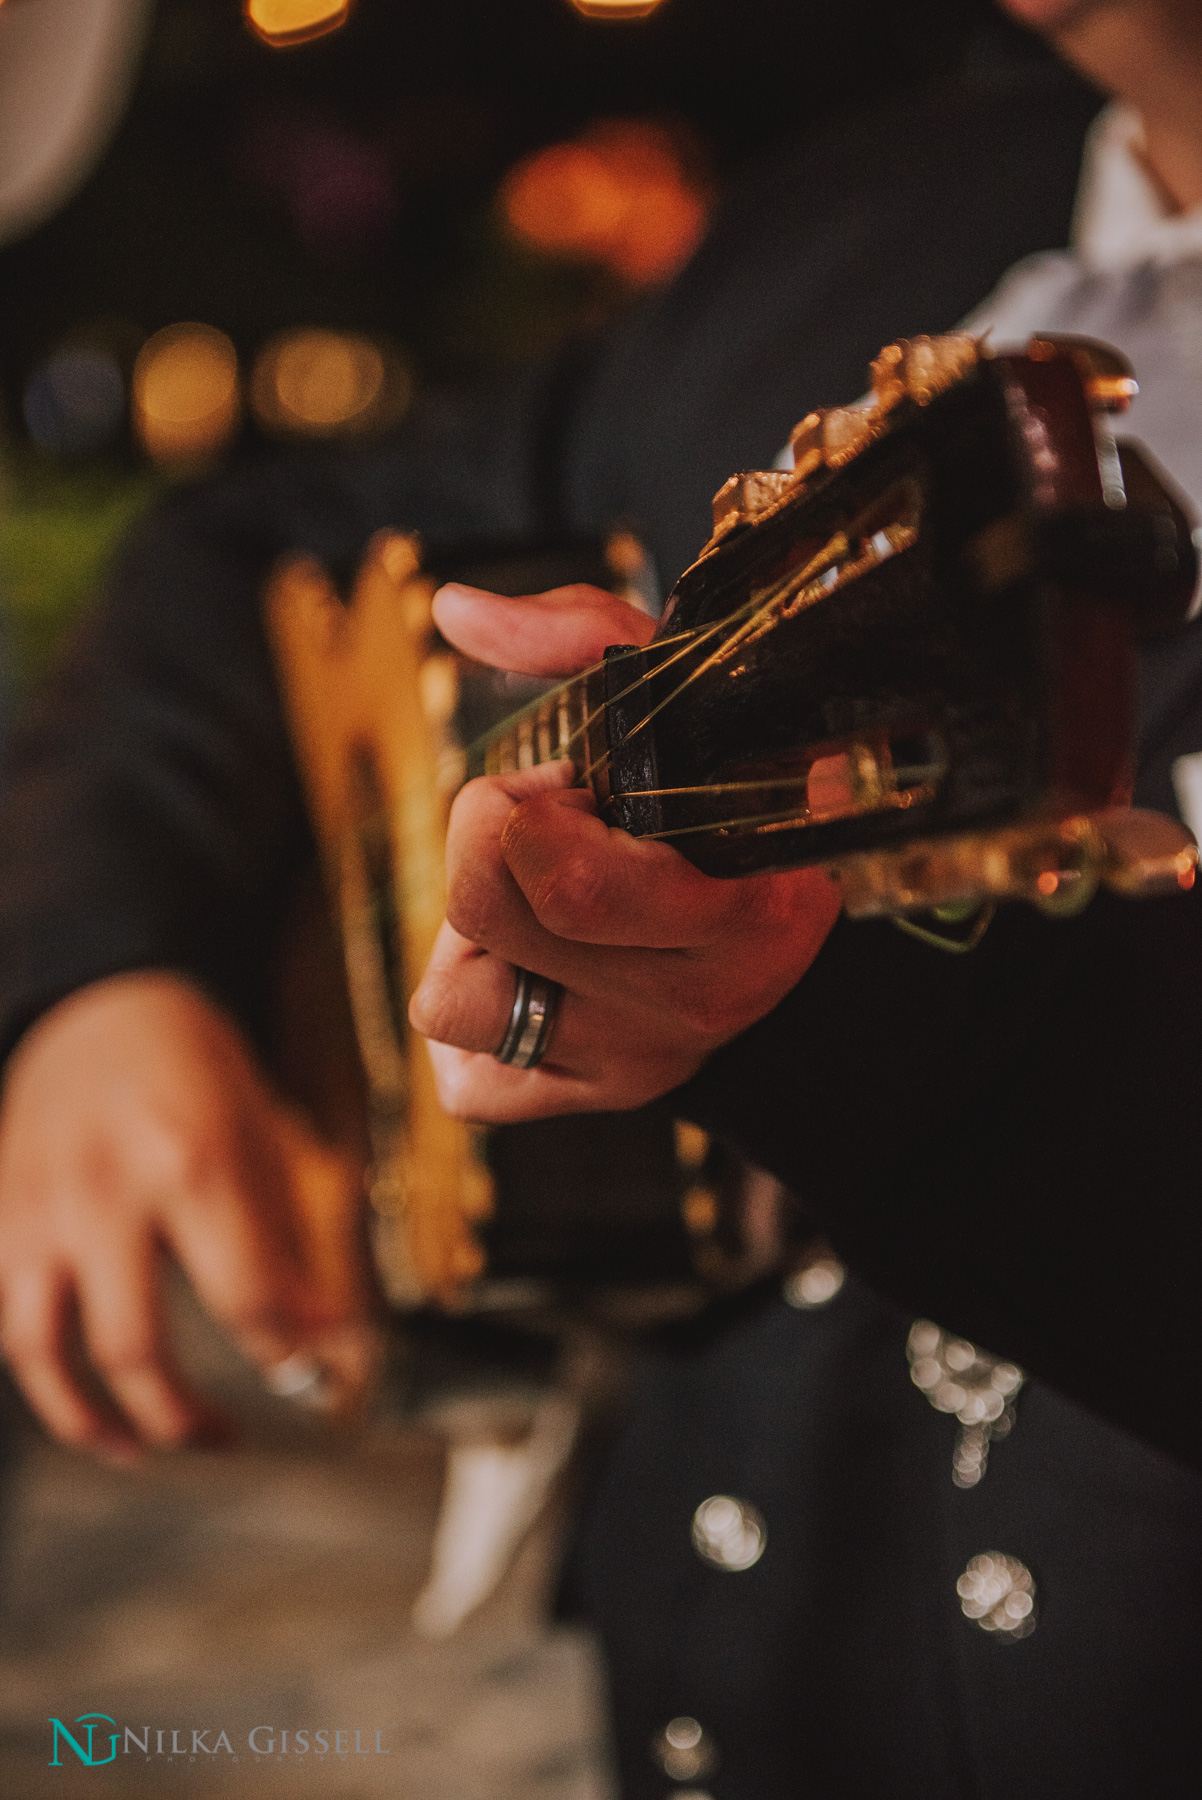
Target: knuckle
x,y
477,815
457,1102
457,1086
452,1089
570,899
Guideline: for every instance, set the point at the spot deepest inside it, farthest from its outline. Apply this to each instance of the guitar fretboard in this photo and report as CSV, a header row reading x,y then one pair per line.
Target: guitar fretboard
x,y
553,728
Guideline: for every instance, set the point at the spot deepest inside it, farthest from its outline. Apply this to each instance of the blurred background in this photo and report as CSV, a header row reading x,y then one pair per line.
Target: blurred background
x,y
308,213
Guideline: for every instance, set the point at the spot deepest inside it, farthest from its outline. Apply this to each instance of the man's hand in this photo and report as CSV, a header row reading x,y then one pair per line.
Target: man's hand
x,y
660,964
136,1126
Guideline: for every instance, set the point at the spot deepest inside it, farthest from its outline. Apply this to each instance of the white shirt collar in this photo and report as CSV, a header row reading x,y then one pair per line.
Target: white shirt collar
x,y
1121,219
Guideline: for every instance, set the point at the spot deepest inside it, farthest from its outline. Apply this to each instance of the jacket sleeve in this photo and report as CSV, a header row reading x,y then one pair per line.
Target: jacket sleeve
x,y
1006,1142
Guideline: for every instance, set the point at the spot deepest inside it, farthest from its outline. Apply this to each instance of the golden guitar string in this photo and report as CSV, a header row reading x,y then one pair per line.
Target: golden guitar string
x,y
761,614
826,572
756,612
505,735
759,604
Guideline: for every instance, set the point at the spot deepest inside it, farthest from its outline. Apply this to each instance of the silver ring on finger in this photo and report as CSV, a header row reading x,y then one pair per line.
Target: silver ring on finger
x,y
531,1022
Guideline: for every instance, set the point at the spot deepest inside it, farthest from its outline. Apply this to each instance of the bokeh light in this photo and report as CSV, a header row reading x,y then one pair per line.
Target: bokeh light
x,y
74,403
282,23
616,9
186,397
815,1284
623,195
729,1534
315,383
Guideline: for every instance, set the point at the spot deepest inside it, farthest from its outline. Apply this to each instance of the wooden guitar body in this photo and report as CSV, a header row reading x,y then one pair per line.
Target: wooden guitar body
x,y
361,715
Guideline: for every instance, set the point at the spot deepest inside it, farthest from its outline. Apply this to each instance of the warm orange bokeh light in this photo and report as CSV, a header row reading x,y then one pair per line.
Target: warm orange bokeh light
x,y
281,23
317,383
186,399
620,196
616,9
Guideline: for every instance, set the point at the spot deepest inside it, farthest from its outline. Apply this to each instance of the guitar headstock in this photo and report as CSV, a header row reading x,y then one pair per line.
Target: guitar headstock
x,y
914,371
919,639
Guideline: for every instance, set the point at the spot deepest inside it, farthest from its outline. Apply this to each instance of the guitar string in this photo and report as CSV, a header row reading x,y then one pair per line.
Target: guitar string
x,y
786,605
754,613
768,609
687,641
910,775
762,612
791,815
507,737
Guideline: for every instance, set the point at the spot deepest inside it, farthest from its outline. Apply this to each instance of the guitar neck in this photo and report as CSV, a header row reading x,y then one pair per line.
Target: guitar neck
x,y
566,724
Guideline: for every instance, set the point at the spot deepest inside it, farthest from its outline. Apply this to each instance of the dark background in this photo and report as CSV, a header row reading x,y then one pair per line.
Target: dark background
x,y
198,210
351,183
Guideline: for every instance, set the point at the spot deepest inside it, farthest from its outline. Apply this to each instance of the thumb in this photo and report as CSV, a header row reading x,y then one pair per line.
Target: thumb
x,y
553,634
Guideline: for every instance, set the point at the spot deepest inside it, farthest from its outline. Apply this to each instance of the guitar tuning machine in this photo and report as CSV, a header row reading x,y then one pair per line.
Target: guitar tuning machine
x,y
747,496
913,368
1110,384
916,370
1055,864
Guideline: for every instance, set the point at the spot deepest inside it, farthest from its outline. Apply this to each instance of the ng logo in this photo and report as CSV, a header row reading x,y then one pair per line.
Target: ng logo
x,y
88,1721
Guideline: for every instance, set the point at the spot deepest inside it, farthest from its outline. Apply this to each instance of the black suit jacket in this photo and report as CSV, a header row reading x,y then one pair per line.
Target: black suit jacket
x,y
841,1664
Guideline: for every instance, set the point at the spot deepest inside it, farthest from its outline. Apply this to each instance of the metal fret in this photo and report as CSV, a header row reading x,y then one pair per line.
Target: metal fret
x,y
550,729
